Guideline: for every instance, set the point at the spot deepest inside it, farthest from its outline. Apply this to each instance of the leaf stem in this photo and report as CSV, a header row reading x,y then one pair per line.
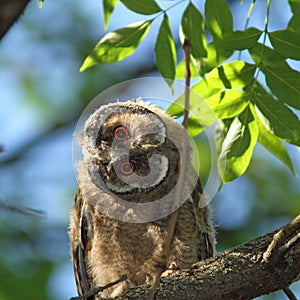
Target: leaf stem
x,y
267,21
249,14
265,36
164,11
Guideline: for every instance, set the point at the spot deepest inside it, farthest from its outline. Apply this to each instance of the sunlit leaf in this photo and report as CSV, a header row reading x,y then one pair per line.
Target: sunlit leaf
x,y
165,50
229,103
272,143
108,8
181,69
214,58
204,115
277,118
196,125
239,40
177,107
223,105
192,26
231,75
117,45
218,18
219,135
144,7
238,146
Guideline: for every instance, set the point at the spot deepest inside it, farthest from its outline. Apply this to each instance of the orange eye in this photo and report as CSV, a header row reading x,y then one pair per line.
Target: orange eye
x,y
121,133
126,168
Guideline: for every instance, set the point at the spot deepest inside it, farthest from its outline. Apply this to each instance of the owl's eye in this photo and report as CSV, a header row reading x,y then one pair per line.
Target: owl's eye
x,y
126,168
121,133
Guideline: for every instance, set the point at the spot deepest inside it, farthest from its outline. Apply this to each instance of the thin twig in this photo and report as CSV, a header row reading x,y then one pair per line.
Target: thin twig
x,y
96,290
289,293
22,210
183,162
280,238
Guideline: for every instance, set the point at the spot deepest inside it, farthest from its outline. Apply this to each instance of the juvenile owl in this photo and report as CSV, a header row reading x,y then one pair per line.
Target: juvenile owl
x,y
127,179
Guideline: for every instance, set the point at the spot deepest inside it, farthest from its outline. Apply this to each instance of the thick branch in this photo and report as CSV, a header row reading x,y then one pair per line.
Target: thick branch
x,y
240,273
10,11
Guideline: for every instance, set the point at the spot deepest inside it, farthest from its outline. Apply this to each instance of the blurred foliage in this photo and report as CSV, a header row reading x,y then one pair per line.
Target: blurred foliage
x,y
42,95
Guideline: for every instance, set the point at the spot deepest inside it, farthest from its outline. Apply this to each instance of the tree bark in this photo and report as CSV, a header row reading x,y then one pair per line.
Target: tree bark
x,y
10,11
261,266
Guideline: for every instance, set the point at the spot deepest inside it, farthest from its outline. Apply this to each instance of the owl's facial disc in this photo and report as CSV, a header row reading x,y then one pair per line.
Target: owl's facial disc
x,y
135,164
130,153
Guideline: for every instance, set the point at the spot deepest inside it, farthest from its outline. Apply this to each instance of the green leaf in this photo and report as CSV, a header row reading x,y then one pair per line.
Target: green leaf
x,y
272,143
238,146
223,105
165,50
195,126
277,118
295,6
144,7
281,78
192,26
284,83
214,57
117,45
266,56
233,75
219,134
180,70
294,23
229,103
239,40
218,18
176,109
286,43
204,116
108,8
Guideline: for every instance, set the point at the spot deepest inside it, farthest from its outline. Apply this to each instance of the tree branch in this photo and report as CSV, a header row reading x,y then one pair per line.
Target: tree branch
x,y
240,273
10,11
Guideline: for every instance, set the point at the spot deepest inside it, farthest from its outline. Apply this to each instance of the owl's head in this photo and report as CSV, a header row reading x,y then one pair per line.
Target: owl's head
x,y
130,150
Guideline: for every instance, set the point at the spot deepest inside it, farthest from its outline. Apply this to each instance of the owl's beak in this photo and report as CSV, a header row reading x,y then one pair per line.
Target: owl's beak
x,y
148,147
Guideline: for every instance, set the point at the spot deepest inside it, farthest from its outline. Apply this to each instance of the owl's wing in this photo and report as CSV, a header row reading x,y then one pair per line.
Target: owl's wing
x,y
205,228
81,234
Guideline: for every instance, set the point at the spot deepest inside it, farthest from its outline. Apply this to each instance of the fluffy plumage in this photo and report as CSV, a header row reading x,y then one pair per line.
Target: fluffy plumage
x,y
139,164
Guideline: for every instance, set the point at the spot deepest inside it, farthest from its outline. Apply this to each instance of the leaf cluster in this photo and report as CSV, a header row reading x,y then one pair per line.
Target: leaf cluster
x,y
250,110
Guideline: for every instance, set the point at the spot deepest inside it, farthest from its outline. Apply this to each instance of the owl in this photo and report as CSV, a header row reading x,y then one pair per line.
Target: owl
x,y
127,179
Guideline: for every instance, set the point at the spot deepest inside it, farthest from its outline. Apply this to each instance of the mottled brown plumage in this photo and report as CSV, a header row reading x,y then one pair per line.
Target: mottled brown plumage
x,y
103,247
